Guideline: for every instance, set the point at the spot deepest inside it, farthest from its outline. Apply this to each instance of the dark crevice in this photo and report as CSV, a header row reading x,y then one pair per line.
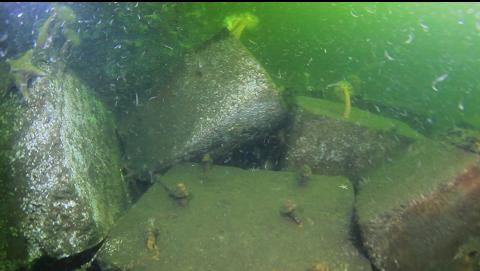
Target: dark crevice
x,y
356,238
47,263
267,152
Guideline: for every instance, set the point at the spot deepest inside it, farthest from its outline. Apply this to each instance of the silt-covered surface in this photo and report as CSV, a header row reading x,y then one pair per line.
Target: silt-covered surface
x,y
233,222
221,98
334,145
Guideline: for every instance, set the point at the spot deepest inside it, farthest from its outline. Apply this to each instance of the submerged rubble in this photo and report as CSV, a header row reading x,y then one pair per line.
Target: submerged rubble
x,y
234,224
220,99
417,210
323,139
63,171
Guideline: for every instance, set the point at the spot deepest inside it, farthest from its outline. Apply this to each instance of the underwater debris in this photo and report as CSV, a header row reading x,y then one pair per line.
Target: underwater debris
x,y
388,56
437,80
237,23
410,38
289,209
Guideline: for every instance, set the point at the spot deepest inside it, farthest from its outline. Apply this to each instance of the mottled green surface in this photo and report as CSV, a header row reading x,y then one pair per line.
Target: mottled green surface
x,y
233,223
361,117
11,248
61,168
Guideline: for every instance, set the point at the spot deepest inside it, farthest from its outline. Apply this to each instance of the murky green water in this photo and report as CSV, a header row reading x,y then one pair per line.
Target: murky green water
x,y
102,101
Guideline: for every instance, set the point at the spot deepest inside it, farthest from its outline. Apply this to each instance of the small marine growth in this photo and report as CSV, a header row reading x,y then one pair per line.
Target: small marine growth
x,y
305,175
289,210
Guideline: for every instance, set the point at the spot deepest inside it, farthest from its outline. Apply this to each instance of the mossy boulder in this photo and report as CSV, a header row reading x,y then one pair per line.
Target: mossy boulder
x,y
221,98
233,221
416,210
331,144
60,173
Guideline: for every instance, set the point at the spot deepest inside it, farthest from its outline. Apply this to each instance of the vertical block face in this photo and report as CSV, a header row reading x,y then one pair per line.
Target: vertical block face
x,y
417,211
234,221
221,98
64,171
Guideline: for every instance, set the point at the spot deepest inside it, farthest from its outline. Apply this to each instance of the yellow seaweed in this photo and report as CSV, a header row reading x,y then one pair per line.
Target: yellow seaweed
x,y
345,89
237,23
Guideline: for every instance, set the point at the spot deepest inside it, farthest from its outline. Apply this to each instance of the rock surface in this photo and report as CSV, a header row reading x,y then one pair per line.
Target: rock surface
x,y
60,169
219,100
416,211
233,222
333,145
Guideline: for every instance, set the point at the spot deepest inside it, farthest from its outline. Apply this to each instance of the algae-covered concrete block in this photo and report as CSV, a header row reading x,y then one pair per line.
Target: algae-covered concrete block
x,y
233,222
331,144
60,179
221,98
418,209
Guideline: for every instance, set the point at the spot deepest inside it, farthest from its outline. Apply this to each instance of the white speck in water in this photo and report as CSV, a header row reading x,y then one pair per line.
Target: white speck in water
x,y
460,106
309,61
429,120
20,15
410,38
424,27
377,108
136,99
387,55
371,10
437,80
461,22
354,15
118,46
3,53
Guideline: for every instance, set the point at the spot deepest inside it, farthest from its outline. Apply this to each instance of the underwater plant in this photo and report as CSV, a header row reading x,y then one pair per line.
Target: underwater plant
x,y
62,17
23,71
237,23
344,90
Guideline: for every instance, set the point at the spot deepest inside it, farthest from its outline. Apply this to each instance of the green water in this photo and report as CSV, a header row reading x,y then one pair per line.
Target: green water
x,y
413,68
303,46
